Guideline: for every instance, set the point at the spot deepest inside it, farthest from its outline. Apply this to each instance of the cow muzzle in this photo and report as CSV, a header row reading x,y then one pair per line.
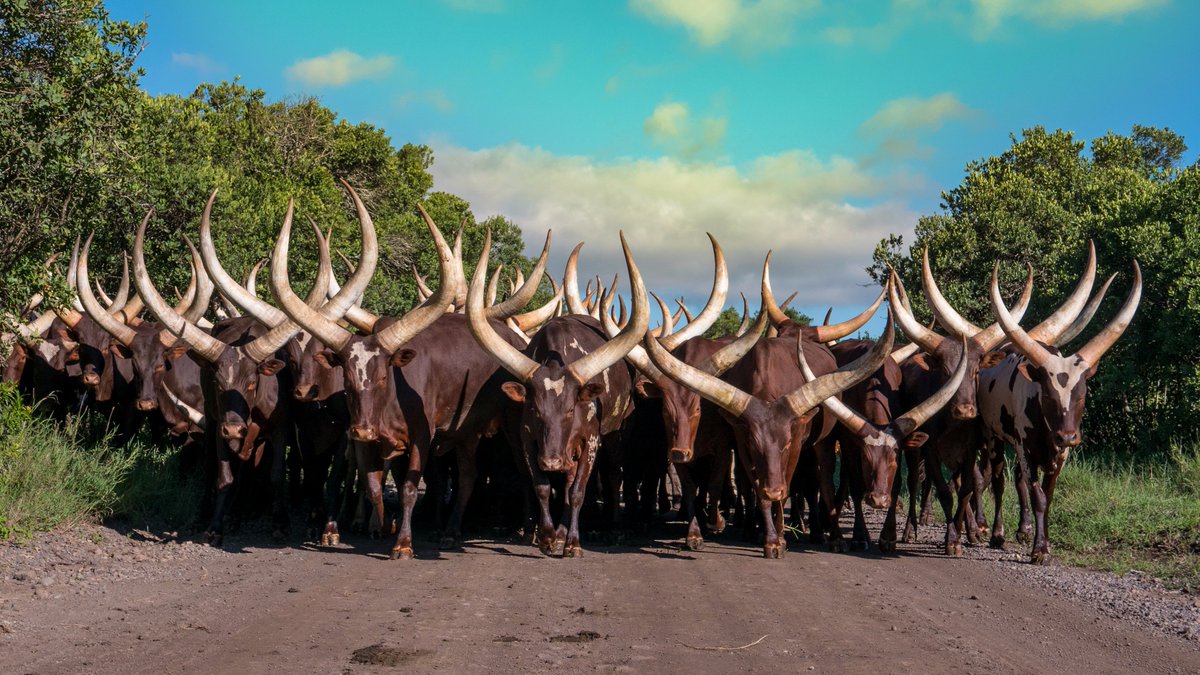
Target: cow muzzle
x,y
774,494
681,455
146,404
304,392
233,432
1067,439
91,379
878,501
554,464
964,411
363,433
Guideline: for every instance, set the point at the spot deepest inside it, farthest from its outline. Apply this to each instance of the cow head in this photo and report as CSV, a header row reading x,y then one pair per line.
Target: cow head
x,y
558,379
1061,380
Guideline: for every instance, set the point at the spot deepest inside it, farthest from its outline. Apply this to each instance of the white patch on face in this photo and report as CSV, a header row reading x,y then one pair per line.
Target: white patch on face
x,y
302,340
1062,393
605,375
48,350
555,386
360,356
879,439
618,406
225,372
575,344
591,414
593,444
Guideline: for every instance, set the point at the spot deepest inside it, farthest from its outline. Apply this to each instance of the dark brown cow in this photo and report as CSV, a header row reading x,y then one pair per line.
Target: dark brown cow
x,y
575,392
772,411
1033,397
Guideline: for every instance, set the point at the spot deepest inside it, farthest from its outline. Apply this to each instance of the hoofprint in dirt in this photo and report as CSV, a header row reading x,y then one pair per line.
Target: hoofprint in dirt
x,y
95,599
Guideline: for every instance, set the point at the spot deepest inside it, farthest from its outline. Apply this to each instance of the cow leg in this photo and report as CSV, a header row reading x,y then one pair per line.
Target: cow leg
x,y
981,526
418,457
913,464
1024,526
1041,492
967,525
828,517
995,453
687,507
852,478
215,534
887,535
773,544
576,492
276,445
333,484
946,499
370,473
718,474
466,452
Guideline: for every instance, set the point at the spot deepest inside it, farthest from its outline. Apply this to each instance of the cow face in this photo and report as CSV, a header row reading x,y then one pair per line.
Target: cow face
x,y
1062,395
680,414
149,359
559,416
771,434
944,361
94,357
369,380
242,384
311,380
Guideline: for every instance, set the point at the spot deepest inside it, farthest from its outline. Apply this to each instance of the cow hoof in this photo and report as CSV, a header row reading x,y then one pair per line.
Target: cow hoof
x,y
1024,536
858,545
333,539
997,541
1039,557
887,545
772,551
909,536
837,545
575,551
954,550
402,553
214,539
925,519
695,543
449,543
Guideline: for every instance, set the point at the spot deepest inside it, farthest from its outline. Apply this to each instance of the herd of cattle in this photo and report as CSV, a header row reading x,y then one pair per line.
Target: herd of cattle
x,y
745,422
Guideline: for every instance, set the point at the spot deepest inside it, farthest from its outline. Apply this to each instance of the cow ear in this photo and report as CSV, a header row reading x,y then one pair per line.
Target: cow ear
x,y
590,391
402,358
916,439
67,335
514,390
991,359
327,358
119,350
73,355
270,367
1025,369
647,389
177,350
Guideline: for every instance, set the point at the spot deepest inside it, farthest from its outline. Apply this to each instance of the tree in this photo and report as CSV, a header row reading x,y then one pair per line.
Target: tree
x,y
1039,202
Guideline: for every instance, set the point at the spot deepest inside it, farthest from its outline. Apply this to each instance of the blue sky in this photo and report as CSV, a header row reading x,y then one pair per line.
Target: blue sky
x,y
810,127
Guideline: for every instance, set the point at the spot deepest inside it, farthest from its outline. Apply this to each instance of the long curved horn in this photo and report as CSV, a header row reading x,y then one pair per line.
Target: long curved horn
x,y
525,291
509,356
300,315
205,345
840,330
356,316
903,353
946,315
1108,336
912,329
637,356
811,394
1085,317
189,294
122,297
423,291
725,357
668,322
571,282
250,282
850,419
1052,326
991,336
233,291
623,319
103,297
1035,352
73,277
712,309
123,334
913,419
194,416
512,325
195,310
489,297
320,288
732,399
683,308
773,308
399,333
615,349
231,310
745,324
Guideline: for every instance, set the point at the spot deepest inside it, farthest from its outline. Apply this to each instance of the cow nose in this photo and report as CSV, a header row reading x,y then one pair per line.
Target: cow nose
x,y
551,463
303,392
91,379
965,411
361,433
233,432
680,455
145,405
879,501
774,494
1067,439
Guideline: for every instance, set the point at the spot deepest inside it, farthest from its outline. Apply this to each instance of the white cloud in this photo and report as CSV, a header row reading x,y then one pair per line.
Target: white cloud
x,y
794,203
912,114
671,128
201,62
434,98
339,67
754,25
989,14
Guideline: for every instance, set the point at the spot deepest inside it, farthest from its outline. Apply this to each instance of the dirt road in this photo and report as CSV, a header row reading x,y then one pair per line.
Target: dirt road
x,y
97,601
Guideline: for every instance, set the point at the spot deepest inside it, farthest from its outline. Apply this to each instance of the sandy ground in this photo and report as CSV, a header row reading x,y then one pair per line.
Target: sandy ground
x,y
95,599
